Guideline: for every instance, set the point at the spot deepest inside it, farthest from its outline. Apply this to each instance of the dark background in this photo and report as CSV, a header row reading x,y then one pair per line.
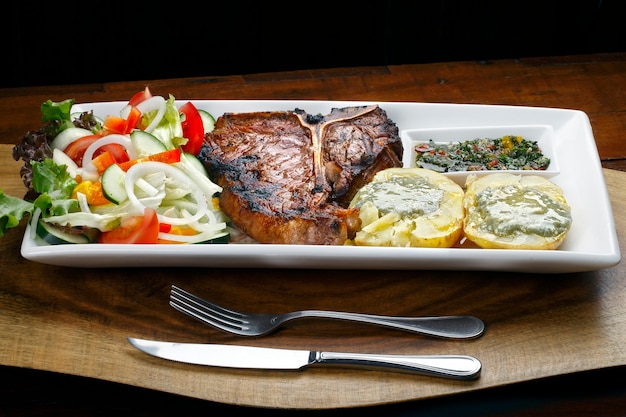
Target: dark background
x,y
54,43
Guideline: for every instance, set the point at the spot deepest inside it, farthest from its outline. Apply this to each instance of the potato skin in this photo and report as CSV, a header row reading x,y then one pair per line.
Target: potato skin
x,y
483,226
420,208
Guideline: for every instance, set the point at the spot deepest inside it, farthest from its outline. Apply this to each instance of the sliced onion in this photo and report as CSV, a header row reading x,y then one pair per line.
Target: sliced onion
x,y
125,111
151,104
61,158
197,238
152,202
212,225
146,187
82,202
67,136
206,230
89,170
150,167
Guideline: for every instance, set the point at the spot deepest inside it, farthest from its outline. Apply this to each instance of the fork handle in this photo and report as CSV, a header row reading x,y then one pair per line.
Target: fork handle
x,y
455,327
447,366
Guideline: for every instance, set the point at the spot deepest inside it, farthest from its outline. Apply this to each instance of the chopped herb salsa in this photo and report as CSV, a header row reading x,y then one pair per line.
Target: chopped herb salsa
x,y
504,153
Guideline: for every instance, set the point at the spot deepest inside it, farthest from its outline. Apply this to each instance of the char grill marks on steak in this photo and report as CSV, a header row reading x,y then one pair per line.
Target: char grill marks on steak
x,y
288,176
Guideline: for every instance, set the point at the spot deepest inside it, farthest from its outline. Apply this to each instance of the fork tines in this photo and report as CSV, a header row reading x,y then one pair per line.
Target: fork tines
x,y
205,311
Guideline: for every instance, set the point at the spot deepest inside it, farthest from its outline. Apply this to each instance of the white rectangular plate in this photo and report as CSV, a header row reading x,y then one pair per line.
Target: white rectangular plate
x,y
591,243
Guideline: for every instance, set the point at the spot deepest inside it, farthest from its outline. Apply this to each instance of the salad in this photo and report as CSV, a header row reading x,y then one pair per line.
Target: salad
x,y
128,178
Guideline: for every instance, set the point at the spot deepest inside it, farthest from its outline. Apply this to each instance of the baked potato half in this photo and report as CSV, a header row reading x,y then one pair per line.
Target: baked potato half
x,y
409,207
510,211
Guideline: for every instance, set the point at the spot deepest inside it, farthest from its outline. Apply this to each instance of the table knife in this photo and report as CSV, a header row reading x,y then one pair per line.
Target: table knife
x,y
251,357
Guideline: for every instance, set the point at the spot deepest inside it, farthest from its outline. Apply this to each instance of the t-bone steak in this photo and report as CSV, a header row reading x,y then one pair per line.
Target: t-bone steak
x,y
288,176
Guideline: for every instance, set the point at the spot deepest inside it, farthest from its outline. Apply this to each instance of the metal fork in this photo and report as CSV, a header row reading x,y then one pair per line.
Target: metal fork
x,y
248,324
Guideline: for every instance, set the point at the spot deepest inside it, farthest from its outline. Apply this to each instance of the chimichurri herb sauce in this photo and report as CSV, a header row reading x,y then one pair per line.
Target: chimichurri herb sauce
x,y
505,153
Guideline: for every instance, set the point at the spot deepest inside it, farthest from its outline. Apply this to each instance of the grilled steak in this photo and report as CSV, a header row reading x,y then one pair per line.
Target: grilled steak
x,y
288,177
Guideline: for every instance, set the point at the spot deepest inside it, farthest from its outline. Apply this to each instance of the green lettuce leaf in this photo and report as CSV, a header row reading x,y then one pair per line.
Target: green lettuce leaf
x,y
170,129
52,178
12,211
58,112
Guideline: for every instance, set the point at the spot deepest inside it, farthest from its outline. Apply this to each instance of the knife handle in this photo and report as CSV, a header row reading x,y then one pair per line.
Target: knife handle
x,y
447,366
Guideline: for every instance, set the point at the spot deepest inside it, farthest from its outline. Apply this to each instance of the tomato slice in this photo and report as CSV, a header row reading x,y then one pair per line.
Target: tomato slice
x,y
140,96
118,151
135,229
76,150
193,129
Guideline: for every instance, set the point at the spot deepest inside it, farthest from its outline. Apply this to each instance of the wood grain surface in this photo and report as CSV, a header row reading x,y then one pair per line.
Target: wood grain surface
x,y
591,83
75,321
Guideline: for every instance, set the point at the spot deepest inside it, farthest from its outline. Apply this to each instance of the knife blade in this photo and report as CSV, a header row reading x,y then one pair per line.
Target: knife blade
x,y
252,357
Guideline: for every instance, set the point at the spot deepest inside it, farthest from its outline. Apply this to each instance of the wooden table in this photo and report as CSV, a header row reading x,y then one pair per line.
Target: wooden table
x,y
75,321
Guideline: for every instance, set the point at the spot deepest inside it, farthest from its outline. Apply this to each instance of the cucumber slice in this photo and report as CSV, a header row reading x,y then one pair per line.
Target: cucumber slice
x,y
218,240
208,121
113,186
50,234
146,143
195,162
